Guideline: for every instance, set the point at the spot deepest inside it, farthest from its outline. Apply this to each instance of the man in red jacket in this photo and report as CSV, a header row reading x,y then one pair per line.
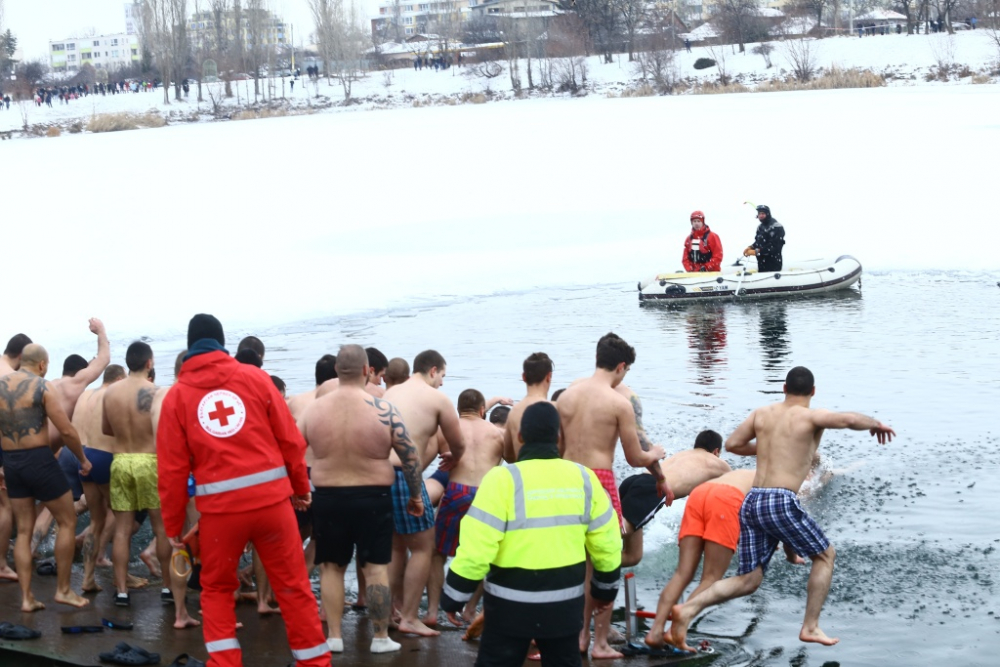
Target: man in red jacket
x,y
703,249
226,423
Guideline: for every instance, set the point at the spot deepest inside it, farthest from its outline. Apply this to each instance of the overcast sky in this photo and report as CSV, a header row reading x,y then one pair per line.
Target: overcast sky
x,y
35,22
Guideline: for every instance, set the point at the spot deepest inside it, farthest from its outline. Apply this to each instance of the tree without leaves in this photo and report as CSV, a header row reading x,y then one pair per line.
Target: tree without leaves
x,y
739,21
601,21
633,13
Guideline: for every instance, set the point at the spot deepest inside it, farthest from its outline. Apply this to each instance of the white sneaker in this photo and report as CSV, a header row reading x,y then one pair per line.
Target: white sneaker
x,y
384,645
336,645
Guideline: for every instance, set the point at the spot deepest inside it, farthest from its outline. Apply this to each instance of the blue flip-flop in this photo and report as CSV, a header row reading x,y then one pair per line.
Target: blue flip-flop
x,y
17,632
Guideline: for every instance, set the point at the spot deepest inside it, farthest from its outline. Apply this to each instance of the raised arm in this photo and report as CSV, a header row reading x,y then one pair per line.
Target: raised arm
x,y
97,365
854,421
501,400
740,442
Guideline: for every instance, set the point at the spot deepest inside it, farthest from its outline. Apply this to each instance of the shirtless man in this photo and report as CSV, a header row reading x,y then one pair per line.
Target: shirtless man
x,y
684,471
483,452
377,365
77,375
424,410
594,417
325,370
352,434
128,419
787,437
710,527
537,375
88,419
397,372
10,361
76,379
26,403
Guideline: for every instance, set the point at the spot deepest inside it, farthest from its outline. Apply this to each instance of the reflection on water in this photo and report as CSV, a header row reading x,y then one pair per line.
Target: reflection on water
x,y
706,337
774,342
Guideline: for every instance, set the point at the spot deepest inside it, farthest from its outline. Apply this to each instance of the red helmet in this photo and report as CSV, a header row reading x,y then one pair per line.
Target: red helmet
x,y
698,215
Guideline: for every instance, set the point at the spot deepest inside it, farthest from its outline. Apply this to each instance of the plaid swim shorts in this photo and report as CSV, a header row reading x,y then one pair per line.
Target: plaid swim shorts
x,y
769,516
405,523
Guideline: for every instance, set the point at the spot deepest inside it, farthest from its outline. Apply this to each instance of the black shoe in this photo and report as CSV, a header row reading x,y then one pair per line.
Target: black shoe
x,y
122,600
167,596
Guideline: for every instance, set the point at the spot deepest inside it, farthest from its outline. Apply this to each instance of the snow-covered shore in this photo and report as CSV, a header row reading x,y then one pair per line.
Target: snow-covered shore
x,y
905,60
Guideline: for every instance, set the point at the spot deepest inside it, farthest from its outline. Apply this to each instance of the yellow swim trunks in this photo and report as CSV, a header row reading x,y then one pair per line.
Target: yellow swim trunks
x,y
133,483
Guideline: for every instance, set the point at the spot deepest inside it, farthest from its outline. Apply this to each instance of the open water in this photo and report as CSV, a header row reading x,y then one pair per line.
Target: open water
x,y
914,523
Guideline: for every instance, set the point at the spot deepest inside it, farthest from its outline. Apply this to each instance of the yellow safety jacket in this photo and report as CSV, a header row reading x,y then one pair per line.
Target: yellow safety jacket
x,y
528,533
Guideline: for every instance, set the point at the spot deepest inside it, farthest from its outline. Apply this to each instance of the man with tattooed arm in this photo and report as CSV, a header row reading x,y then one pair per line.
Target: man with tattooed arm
x,y
128,418
352,434
27,401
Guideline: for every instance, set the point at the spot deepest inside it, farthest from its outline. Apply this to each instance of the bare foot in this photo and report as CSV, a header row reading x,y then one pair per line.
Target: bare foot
x,y
7,574
604,653
475,629
91,587
150,561
71,599
795,559
187,622
415,627
267,609
31,605
136,582
655,641
679,627
430,621
584,641
104,561
817,636
615,637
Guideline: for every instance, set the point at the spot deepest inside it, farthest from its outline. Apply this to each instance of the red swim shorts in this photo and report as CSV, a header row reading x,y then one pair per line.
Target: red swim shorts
x,y
610,485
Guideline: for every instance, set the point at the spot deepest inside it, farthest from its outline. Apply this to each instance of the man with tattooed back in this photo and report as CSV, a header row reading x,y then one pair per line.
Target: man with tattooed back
x,y
128,418
352,434
26,402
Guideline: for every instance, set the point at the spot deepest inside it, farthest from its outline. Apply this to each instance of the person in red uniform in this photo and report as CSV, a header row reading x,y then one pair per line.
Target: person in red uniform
x,y
703,248
225,422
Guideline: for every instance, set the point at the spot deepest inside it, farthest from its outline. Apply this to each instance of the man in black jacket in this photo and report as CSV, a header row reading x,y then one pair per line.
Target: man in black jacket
x,y
769,241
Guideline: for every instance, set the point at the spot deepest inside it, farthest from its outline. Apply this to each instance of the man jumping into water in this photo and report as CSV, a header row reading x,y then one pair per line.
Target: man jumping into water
x,y
788,435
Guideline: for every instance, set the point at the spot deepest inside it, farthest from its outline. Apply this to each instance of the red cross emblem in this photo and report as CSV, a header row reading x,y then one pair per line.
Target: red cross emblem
x,y
221,413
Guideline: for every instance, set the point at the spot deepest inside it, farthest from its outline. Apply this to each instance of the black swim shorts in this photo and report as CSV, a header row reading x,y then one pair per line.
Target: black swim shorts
x,y
34,473
640,500
349,516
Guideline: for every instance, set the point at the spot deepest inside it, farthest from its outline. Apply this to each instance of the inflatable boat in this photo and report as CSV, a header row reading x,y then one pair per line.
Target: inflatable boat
x,y
814,276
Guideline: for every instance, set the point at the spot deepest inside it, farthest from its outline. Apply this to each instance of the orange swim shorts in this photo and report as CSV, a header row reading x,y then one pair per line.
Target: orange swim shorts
x,y
712,512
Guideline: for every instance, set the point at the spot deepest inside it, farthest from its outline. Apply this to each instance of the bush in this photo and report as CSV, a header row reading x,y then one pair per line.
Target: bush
x,y
53,132
710,88
118,122
252,114
704,63
834,78
643,90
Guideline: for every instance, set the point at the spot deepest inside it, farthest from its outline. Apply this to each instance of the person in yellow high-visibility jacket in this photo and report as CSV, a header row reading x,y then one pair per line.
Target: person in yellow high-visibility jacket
x,y
528,533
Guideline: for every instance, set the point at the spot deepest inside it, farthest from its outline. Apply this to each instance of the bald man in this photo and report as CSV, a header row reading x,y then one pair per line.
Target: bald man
x,y
26,403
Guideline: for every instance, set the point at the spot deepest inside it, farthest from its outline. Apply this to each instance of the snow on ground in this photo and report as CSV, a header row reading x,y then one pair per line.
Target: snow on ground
x,y
907,58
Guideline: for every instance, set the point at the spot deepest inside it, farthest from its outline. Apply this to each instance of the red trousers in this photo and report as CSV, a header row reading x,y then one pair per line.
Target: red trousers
x,y
275,536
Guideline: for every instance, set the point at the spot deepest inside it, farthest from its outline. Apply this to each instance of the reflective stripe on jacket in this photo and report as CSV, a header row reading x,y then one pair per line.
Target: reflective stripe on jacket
x,y
528,533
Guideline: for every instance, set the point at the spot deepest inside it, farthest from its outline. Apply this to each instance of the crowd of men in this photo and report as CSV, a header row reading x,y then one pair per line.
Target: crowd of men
x,y
223,459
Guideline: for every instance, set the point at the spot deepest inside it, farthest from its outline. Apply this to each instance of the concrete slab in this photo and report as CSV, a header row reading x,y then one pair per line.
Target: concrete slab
x,y
262,637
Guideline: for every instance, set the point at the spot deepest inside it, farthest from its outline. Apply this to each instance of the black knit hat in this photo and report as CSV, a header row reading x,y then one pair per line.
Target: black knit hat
x,y
205,326
540,424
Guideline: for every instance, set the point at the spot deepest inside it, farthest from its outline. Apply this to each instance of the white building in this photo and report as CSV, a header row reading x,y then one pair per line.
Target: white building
x,y
102,51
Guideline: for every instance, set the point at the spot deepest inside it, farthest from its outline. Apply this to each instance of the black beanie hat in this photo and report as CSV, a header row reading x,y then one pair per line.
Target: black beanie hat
x,y
540,424
205,326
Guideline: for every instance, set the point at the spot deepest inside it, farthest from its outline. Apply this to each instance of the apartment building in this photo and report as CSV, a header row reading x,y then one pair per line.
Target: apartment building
x,y
101,51
414,18
261,28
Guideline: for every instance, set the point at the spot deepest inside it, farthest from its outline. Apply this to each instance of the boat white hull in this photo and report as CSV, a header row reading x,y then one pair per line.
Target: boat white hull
x,y
797,279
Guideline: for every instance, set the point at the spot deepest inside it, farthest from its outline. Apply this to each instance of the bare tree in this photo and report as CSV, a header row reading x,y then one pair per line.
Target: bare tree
x,y
718,54
179,47
739,21
350,42
600,18
566,47
156,34
801,56
656,62
633,14
324,18
510,35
